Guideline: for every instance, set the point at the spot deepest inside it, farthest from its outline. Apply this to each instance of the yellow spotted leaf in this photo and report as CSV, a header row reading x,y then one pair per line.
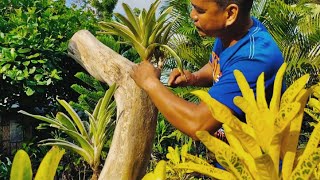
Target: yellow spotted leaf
x,y
261,95
286,115
236,145
312,144
266,168
173,155
315,104
159,172
316,172
260,121
206,170
225,155
275,100
306,165
291,137
290,94
219,111
246,91
195,159
248,143
248,109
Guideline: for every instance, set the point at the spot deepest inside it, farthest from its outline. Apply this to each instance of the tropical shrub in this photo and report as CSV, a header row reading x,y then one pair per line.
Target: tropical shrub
x,y
33,43
5,167
88,139
89,94
21,166
295,27
270,134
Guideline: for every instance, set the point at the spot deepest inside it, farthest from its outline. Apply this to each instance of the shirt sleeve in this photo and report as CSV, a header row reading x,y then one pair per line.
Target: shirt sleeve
x,y
227,88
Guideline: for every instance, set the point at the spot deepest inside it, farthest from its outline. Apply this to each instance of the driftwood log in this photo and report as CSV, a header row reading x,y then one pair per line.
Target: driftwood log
x,y
136,115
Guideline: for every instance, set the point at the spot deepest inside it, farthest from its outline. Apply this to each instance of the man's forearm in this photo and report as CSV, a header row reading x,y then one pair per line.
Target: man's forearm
x,y
204,76
185,116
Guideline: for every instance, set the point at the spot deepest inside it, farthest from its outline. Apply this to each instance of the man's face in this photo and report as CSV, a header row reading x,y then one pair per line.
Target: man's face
x,y
208,17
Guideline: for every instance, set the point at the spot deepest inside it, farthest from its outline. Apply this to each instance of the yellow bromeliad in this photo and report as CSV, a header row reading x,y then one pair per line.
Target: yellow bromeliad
x,y
270,133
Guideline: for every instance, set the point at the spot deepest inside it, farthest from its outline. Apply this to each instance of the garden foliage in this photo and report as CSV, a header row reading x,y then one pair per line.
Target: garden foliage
x,y
90,93
33,43
88,138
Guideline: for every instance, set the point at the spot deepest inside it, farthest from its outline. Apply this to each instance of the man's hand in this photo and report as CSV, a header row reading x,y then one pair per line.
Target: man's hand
x,y
144,74
178,79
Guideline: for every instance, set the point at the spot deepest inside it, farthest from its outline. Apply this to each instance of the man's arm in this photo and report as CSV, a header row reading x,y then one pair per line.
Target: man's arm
x,y
201,78
185,116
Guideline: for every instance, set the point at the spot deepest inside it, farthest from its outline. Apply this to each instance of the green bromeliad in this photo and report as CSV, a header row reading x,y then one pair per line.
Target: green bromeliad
x,y
147,34
88,140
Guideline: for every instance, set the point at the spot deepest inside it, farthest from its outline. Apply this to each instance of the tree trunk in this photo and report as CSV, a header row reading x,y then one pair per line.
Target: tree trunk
x,y
136,115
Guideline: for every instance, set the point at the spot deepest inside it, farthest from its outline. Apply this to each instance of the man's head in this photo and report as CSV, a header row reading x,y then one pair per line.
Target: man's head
x,y
244,5
215,17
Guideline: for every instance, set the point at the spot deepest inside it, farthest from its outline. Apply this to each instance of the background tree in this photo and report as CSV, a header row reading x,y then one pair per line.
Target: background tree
x,y
34,66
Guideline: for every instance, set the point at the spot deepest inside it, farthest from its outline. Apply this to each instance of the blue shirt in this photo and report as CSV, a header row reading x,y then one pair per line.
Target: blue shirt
x,y
253,54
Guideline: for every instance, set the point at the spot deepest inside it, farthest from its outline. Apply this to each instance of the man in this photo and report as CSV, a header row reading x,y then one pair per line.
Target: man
x,y
241,43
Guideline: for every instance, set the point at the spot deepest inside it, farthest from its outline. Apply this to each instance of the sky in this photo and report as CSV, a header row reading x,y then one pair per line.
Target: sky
x,y
133,4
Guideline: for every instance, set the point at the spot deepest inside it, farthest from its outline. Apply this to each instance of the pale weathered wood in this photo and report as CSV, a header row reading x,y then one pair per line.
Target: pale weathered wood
x,y
136,114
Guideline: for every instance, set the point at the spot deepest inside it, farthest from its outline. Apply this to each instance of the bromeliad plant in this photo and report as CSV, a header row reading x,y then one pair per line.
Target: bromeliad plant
x,y
270,134
146,33
90,139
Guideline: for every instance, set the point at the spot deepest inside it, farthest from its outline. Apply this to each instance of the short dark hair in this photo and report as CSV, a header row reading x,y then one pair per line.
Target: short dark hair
x,y
244,5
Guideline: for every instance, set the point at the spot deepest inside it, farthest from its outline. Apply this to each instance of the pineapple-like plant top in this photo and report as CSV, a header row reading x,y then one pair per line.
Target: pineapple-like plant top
x,y
148,34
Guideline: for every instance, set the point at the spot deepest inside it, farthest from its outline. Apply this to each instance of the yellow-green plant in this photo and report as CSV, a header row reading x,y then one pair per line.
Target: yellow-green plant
x,y
146,33
89,140
21,166
180,163
270,133
314,103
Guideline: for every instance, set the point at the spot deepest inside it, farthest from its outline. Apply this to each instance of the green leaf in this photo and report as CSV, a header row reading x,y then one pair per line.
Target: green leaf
x,y
176,57
75,117
49,164
33,56
42,118
38,77
106,101
66,121
70,146
32,70
21,167
26,63
131,17
81,140
5,68
24,50
29,91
